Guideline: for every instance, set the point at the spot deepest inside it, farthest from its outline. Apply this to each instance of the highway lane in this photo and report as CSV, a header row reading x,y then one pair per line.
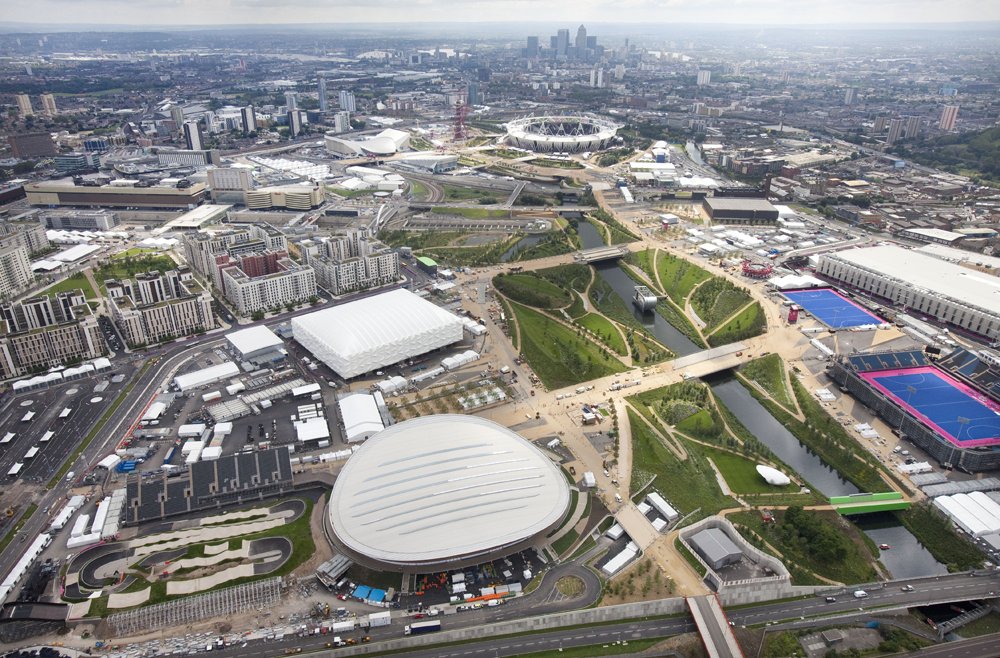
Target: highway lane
x,y
987,646
956,587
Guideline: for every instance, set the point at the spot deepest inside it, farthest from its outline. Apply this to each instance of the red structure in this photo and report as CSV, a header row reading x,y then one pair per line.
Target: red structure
x,y
461,111
757,270
793,315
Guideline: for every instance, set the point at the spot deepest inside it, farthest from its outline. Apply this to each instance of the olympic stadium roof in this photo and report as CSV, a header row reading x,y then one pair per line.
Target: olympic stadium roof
x,y
369,333
443,489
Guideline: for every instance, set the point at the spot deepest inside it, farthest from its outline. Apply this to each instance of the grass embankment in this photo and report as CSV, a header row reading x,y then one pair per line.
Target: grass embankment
x,y
606,300
417,240
688,484
716,300
555,243
477,255
689,556
935,533
986,626
769,373
557,355
619,232
532,290
669,309
812,542
748,323
678,276
471,213
418,190
605,330
822,434
556,164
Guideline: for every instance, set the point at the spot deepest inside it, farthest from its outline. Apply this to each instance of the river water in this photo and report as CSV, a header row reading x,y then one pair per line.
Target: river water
x,y
907,558
523,243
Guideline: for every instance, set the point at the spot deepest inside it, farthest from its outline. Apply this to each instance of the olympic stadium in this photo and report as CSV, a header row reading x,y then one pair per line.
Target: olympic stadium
x,y
444,492
561,133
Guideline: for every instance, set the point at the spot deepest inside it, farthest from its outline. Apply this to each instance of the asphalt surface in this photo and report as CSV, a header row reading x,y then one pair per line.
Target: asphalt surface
x,y
987,646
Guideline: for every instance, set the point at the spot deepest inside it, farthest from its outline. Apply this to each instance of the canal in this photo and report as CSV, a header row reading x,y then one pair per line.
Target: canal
x,y
906,558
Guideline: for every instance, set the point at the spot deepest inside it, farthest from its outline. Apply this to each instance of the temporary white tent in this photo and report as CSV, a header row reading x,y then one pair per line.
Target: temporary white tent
x,y
359,412
364,335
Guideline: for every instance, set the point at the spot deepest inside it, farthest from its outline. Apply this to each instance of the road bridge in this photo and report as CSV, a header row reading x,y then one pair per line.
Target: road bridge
x,y
716,634
707,362
598,254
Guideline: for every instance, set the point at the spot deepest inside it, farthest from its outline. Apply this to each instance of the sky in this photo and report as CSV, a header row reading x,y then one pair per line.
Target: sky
x,y
222,12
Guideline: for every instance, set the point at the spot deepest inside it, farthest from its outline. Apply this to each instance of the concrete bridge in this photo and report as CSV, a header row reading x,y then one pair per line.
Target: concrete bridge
x,y
598,254
707,362
716,633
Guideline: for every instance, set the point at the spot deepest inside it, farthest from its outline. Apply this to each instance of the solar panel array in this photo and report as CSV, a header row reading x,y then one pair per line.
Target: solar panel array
x,y
207,484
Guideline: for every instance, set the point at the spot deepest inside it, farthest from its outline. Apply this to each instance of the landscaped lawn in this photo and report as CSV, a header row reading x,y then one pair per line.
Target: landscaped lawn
x,y
471,213
741,473
74,282
679,276
557,355
607,332
128,267
769,373
747,323
716,300
689,485
456,193
531,290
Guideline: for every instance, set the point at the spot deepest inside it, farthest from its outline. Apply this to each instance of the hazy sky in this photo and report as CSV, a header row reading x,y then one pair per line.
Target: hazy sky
x,y
202,12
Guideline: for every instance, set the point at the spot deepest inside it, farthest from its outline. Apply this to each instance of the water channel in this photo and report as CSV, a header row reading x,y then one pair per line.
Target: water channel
x,y
906,557
523,243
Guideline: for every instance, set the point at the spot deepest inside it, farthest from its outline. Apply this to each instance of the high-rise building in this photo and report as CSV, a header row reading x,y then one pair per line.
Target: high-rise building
x,y
294,123
347,101
581,41
177,115
291,101
562,43
24,105
912,127
342,122
619,72
895,131
49,105
193,137
704,78
249,119
472,94
881,122
323,106
532,50
851,96
15,271
27,69
949,114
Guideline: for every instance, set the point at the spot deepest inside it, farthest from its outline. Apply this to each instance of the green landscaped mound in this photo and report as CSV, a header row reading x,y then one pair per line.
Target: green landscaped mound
x,y
558,355
748,323
532,290
679,276
605,330
768,372
716,300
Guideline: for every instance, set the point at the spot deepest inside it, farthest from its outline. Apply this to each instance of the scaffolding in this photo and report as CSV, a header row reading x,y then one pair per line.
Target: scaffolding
x,y
191,609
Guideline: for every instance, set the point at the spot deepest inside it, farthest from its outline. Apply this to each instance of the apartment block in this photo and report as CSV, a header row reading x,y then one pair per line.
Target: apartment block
x,y
15,271
351,262
157,306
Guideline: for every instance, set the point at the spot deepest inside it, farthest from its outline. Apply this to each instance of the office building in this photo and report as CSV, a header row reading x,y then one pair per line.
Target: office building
x,y
49,105
562,43
193,137
949,115
294,123
581,41
472,94
230,184
323,105
23,233
15,271
347,101
895,131
248,118
851,96
67,162
351,262
291,101
189,158
177,115
31,145
46,331
79,220
156,306
704,78
24,105
531,51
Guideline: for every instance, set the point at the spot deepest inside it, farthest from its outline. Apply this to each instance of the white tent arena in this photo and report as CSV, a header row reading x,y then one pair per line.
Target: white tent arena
x,y
370,333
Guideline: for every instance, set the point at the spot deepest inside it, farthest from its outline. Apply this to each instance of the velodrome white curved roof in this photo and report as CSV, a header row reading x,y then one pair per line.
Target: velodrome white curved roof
x,y
445,488
369,333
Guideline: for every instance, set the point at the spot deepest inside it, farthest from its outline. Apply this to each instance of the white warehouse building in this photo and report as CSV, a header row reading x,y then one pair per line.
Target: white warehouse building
x,y
950,293
367,334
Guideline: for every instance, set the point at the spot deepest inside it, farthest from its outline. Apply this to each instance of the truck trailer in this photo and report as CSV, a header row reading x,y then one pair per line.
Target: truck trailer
x,y
421,627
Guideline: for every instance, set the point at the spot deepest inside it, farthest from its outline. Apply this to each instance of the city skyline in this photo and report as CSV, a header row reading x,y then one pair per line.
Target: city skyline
x,y
248,12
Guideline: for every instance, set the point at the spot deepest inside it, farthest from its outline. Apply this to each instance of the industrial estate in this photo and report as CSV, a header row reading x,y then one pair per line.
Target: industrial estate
x,y
498,345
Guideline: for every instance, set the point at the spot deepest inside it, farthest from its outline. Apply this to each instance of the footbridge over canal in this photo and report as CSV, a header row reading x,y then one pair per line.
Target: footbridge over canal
x,y
710,361
598,254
